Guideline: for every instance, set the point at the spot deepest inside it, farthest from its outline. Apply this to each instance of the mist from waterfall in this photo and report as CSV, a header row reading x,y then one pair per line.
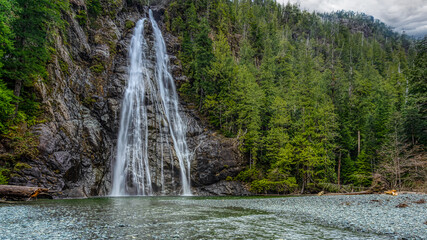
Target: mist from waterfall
x,y
132,172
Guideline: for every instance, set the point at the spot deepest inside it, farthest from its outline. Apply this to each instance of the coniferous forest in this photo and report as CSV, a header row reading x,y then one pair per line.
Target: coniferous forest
x,y
315,101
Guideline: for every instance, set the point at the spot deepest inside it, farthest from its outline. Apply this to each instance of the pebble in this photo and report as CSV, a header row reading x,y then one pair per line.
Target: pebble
x,y
308,217
361,213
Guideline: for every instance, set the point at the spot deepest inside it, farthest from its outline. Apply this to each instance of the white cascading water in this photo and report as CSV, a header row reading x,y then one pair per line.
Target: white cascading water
x,y
131,174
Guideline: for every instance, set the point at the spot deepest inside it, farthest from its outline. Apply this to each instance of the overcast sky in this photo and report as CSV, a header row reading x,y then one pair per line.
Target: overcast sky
x,y
408,15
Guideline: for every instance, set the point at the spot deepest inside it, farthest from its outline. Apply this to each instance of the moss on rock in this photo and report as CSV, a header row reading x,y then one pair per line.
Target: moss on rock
x,y
129,24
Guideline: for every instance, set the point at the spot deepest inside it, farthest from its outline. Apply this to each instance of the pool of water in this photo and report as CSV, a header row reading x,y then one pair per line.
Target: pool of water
x,y
153,218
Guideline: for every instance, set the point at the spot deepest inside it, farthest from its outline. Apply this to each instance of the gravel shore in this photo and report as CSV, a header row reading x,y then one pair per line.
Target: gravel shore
x,y
398,217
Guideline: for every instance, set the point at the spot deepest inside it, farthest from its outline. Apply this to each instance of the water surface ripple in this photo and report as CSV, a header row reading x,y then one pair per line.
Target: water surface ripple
x,y
154,218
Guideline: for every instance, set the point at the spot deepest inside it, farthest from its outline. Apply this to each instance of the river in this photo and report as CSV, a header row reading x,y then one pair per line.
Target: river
x,y
155,218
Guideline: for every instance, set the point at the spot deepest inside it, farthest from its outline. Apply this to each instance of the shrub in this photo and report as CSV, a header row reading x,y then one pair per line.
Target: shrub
x,y
4,176
268,186
81,17
21,166
249,175
98,68
129,24
94,7
6,107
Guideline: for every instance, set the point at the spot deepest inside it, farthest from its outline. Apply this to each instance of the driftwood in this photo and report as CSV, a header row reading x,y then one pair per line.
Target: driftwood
x,y
391,192
11,192
352,193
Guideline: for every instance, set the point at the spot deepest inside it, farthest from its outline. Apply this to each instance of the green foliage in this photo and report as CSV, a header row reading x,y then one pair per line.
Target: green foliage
x,y
81,17
311,98
4,179
6,39
7,108
246,99
113,47
94,8
88,101
21,166
64,67
129,24
31,44
415,111
97,68
249,175
23,143
6,33
267,186
26,28
297,88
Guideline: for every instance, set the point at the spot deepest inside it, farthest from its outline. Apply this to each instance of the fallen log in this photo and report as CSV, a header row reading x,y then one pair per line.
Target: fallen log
x,y
11,192
352,193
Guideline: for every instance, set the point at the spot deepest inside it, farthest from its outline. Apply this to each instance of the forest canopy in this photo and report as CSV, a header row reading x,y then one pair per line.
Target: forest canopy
x,y
313,98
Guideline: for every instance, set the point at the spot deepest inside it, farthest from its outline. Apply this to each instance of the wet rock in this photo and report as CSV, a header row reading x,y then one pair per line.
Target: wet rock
x,y
33,172
46,138
62,161
402,205
77,143
224,188
75,193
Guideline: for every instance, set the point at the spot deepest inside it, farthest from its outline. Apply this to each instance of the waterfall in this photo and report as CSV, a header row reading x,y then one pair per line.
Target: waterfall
x,y
133,171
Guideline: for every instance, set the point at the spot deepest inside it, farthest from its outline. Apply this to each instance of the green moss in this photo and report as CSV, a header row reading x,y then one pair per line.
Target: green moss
x,y
228,178
97,68
23,142
7,157
94,8
88,101
167,20
14,175
21,166
129,24
81,17
51,50
113,49
64,66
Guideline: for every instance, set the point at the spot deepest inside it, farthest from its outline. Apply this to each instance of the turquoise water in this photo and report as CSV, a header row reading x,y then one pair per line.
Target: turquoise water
x,y
153,218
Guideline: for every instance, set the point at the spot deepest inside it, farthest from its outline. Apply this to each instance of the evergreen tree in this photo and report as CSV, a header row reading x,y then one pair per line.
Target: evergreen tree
x,y
6,40
416,107
28,60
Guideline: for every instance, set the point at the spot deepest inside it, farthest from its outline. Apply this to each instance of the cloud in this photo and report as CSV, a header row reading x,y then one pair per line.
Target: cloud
x,y
407,15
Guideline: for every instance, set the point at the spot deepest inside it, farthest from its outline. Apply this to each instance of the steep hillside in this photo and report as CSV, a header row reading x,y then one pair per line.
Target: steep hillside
x,y
317,100
73,139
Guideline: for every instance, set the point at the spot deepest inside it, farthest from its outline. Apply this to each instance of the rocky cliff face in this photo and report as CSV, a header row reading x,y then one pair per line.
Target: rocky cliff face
x,y
81,102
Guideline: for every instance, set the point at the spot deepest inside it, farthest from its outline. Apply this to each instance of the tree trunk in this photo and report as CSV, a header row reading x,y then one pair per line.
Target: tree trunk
x,y
17,93
352,193
303,185
339,170
20,192
358,143
399,180
304,179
